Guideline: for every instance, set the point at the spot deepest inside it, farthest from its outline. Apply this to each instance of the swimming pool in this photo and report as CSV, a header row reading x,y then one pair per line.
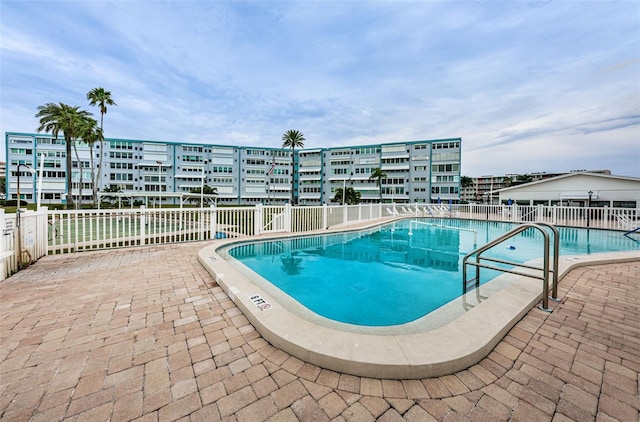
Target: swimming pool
x,y
399,272
449,339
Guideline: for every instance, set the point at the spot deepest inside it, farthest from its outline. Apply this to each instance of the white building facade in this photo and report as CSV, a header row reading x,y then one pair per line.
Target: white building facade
x,y
577,189
418,171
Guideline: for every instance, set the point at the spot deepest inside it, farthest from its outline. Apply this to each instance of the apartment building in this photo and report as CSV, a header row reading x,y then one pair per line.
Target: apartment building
x,y
417,171
484,188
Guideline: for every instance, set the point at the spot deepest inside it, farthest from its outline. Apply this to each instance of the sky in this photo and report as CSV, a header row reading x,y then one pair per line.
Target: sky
x,y
543,86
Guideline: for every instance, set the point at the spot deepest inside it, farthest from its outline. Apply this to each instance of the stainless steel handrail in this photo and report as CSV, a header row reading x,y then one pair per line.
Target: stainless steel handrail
x,y
556,253
545,267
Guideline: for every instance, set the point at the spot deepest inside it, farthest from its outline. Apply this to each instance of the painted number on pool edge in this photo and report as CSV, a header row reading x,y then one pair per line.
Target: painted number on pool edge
x,y
260,302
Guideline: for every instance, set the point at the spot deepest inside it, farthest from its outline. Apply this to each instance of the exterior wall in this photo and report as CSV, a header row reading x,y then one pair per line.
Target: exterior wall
x,y
573,190
479,193
309,174
418,171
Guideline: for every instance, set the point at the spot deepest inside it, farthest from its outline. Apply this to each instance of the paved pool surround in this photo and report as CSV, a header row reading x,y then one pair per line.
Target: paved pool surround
x,y
444,342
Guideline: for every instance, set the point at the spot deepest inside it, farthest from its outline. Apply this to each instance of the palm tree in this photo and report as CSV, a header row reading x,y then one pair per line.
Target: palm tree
x,y
111,188
292,139
56,118
466,181
351,196
521,179
91,134
377,175
102,98
208,190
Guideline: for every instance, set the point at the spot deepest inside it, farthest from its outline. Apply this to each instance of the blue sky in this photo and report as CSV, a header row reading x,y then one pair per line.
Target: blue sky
x,y
529,86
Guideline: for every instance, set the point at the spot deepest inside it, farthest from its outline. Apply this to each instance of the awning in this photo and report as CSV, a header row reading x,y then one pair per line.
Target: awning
x,y
149,163
577,195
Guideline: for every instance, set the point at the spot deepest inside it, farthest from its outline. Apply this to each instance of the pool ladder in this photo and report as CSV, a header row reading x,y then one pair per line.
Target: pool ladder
x,y
468,284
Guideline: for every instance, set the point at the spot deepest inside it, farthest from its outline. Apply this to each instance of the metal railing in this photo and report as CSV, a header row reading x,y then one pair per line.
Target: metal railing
x,y
545,270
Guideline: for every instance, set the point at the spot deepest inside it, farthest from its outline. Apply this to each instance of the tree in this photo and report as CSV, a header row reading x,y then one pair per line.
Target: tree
x,y
102,98
56,118
3,187
109,189
208,190
520,179
292,139
466,181
113,188
89,132
351,196
377,175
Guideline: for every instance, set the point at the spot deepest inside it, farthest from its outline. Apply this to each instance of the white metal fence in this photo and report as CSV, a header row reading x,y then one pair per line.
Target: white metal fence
x,y
24,239
55,232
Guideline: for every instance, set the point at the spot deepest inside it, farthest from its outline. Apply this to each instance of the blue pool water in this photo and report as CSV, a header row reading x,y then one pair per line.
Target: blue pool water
x,y
399,272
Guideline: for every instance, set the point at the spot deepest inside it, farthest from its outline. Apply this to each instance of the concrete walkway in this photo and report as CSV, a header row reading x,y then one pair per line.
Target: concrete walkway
x,y
145,334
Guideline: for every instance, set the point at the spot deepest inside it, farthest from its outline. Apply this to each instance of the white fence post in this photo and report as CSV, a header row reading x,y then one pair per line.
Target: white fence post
x,y
540,217
258,218
212,221
287,218
4,253
325,216
44,227
143,224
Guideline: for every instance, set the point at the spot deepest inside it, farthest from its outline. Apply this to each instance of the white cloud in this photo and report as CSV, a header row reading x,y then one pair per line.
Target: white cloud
x,y
507,77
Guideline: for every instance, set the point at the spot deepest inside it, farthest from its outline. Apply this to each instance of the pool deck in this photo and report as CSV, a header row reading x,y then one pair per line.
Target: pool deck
x,y
147,334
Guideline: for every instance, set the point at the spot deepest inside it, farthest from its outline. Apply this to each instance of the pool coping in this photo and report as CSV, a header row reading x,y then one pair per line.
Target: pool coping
x,y
444,350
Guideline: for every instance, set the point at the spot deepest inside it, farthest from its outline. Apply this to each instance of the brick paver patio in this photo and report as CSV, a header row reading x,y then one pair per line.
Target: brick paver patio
x,y
145,334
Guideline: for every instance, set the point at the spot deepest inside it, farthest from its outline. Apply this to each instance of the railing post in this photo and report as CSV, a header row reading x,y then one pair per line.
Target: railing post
x,y
3,246
212,221
325,216
45,225
258,219
539,213
287,217
143,225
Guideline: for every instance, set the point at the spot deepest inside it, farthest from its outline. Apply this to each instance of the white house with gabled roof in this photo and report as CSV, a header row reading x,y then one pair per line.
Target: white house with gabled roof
x,y
577,189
